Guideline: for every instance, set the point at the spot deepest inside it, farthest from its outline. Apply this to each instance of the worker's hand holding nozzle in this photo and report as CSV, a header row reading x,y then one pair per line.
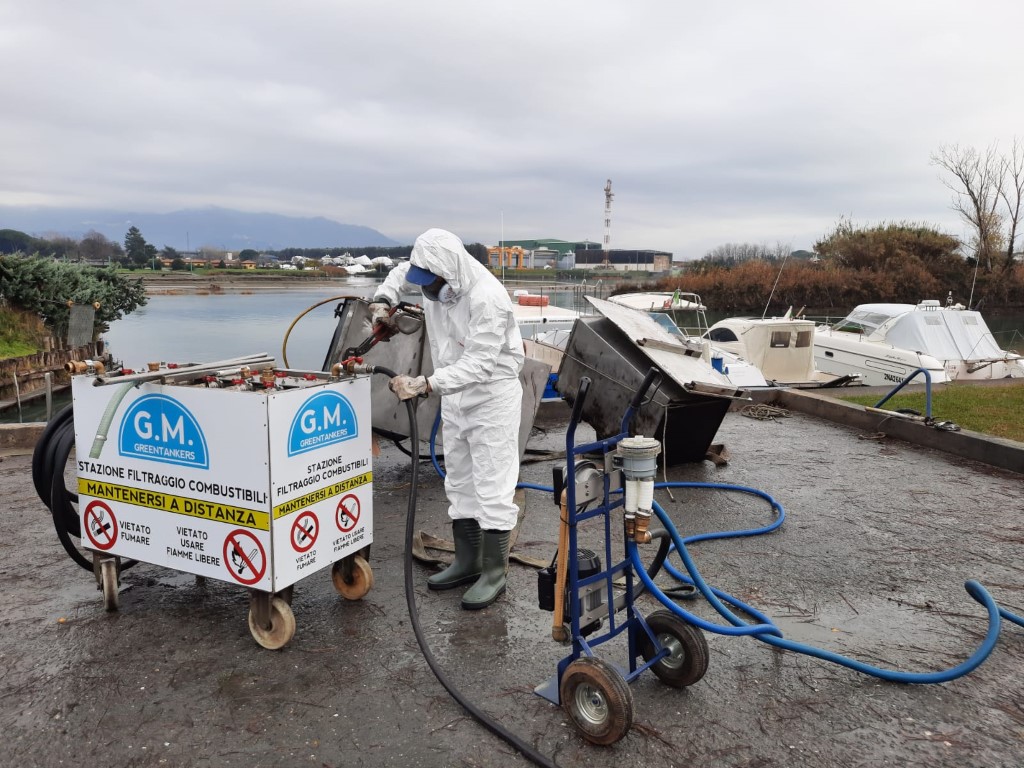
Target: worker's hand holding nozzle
x,y
407,387
380,312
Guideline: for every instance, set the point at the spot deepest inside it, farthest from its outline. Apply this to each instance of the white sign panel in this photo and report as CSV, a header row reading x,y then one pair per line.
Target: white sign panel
x,y
184,477
322,491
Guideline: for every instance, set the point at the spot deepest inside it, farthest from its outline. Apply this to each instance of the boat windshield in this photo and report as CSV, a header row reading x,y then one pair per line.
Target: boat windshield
x,y
666,322
861,321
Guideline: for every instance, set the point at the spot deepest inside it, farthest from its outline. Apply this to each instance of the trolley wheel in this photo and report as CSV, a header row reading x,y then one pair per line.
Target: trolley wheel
x,y
358,583
688,650
597,699
108,582
282,626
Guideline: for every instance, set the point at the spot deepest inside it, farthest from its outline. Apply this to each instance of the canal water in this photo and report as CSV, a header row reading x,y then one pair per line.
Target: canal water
x,y
203,328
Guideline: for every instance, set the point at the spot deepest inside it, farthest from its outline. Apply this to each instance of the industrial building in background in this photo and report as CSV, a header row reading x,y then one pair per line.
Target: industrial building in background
x,y
567,254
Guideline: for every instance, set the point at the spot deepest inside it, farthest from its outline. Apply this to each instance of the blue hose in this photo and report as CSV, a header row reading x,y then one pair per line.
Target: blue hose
x,y
433,444
766,631
440,470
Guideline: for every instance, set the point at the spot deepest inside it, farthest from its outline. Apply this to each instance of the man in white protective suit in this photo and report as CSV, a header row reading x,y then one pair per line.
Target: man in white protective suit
x,y
477,352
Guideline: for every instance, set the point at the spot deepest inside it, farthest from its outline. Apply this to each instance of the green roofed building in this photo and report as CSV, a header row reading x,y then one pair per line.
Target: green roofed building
x,y
570,254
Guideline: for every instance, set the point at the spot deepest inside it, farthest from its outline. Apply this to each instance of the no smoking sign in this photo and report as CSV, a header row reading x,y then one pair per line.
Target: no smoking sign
x,y
304,531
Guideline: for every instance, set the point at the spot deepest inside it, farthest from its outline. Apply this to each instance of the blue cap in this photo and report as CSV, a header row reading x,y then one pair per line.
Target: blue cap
x,y
420,276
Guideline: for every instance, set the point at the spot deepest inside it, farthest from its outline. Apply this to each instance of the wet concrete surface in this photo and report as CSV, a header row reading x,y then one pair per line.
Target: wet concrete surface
x,y
879,538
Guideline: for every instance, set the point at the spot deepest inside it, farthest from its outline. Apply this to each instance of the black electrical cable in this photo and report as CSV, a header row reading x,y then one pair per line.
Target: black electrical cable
x,y
478,714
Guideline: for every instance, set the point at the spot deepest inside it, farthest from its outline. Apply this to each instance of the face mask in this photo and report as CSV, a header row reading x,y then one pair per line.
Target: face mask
x,y
439,291
431,291
446,295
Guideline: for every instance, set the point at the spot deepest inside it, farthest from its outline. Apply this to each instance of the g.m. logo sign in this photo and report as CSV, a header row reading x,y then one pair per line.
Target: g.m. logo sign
x,y
159,428
324,419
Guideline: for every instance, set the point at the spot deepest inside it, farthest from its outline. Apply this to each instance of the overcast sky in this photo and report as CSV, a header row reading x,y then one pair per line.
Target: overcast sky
x,y
758,122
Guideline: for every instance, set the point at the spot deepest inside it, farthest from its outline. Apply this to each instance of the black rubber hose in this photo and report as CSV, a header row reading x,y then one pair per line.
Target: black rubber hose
x,y
60,501
414,618
42,454
664,545
66,520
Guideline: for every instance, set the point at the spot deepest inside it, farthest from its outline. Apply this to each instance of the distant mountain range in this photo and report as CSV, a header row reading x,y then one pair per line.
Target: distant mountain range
x,y
192,229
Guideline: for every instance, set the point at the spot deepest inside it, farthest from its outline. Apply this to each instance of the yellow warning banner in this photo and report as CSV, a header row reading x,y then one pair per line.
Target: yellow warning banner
x,y
214,511
322,494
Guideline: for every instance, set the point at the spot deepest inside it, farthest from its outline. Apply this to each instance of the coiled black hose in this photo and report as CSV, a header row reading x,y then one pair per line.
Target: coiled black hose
x,y
42,455
49,460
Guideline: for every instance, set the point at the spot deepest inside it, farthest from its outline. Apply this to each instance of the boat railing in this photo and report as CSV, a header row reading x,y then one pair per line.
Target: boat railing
x,y
828,320
1014,344
927,391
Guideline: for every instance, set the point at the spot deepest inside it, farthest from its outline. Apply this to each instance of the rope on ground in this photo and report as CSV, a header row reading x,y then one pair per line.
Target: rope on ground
x,y
873,436
764,412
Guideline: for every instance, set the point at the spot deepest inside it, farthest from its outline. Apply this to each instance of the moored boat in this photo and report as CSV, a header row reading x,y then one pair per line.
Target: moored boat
x,y
886,343
782,348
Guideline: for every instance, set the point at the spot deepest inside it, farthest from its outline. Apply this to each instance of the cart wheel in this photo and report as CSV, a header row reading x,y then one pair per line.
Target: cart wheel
x,y
597,699
108,581
282,626
358,584
688,650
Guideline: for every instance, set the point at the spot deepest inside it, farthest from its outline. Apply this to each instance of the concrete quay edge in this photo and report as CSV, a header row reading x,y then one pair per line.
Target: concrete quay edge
x,y
994,451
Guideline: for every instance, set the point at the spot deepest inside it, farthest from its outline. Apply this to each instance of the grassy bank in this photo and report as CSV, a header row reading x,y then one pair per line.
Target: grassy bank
x,y
992,410
21,333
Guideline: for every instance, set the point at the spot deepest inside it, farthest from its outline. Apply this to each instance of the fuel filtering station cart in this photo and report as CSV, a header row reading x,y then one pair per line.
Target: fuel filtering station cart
x,y
233,471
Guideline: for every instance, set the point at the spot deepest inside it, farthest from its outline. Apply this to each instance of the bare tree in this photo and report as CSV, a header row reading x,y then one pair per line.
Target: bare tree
x,y
1011,192
977,187
731,254
96,248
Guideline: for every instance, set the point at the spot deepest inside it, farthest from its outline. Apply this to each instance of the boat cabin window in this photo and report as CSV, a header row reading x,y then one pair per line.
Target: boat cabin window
x,y
721,334
861,322
932,320
804,338
780,339
970,320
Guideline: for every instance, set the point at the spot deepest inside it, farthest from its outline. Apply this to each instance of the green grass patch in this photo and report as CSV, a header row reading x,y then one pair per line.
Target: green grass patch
x,y
20,334
992,410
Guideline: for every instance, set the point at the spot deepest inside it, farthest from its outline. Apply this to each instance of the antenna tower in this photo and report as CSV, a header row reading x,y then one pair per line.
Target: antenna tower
x,y
607,220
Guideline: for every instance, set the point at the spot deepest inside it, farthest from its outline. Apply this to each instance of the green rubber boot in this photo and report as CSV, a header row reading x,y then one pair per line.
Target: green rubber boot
x,y
466,567
492,577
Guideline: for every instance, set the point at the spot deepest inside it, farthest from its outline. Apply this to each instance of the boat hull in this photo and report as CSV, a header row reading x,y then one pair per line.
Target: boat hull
x,y
878,365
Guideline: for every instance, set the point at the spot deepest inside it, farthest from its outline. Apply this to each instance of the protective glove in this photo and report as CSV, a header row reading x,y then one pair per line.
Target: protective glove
x,y
406,387
380,313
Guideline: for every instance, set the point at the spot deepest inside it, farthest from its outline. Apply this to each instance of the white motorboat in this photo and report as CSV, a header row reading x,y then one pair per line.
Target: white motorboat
x,y
535,314
545,330
782,348
886,343
658,301
744,347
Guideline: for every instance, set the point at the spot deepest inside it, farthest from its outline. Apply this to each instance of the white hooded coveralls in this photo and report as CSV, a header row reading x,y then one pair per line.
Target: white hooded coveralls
x,y
477,352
